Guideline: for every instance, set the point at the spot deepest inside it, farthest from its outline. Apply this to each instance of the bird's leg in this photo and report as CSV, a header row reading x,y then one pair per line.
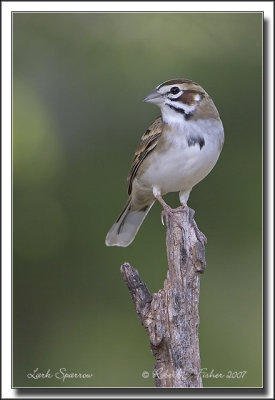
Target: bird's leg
x,y
167,210
164,205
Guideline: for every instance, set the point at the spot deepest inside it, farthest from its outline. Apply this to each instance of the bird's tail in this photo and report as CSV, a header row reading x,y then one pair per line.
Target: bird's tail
x,y
127,225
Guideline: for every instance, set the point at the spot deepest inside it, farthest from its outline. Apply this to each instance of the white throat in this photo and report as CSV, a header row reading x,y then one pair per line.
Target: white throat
x,y
172,117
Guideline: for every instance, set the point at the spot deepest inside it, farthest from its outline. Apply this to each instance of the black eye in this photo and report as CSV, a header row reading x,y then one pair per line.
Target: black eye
x,y
174,90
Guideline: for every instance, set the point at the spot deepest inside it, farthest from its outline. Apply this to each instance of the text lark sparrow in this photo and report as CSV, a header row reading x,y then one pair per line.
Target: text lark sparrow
x,y
175,153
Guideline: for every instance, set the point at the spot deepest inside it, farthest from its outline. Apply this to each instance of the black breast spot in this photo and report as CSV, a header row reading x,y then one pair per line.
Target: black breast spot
x,y
192,141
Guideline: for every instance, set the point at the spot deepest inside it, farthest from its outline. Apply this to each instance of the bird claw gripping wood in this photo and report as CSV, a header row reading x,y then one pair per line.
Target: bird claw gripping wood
x,y
167,210
165,213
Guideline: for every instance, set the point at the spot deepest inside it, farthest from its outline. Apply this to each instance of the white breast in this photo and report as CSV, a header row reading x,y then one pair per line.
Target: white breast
x,y
181,166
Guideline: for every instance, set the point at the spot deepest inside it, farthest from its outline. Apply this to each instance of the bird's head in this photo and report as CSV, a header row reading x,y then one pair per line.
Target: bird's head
x,y
178,98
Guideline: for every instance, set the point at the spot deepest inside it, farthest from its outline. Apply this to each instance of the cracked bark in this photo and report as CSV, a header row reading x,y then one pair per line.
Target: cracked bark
x,y
171,316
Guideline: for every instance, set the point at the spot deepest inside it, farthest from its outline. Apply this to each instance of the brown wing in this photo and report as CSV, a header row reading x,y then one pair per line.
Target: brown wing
x,y
148,142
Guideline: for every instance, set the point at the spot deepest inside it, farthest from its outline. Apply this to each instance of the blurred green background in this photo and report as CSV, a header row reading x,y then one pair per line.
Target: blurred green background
x,y
78,82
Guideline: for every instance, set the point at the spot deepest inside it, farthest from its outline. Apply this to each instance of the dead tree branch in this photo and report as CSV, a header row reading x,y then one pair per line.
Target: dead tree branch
x,y
170,316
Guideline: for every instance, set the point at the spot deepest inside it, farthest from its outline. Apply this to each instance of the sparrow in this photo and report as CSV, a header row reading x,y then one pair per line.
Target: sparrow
x,y
176,152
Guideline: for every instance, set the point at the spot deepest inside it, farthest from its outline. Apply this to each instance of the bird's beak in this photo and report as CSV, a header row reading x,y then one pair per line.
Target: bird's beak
x,y
153,97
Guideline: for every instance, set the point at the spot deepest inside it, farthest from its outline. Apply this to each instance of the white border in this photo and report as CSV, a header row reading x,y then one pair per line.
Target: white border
x,y
132,6
7,8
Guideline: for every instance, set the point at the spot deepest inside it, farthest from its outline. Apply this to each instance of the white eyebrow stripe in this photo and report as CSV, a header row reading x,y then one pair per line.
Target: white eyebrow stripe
x,y
159,85
166,88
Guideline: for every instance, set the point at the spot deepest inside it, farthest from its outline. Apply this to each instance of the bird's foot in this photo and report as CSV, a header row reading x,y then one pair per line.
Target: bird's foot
x,y
167,210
